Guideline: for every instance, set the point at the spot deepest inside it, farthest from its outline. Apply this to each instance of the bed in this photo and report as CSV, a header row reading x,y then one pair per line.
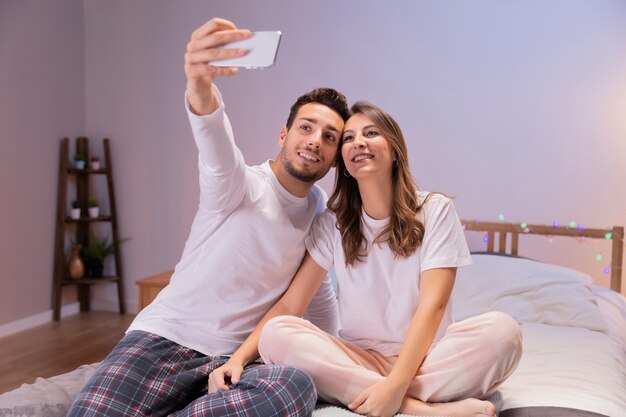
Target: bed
x,y
574,360
574,347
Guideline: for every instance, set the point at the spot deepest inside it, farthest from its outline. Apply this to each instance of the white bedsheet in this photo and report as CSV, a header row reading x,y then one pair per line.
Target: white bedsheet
x,y
568,367
574,332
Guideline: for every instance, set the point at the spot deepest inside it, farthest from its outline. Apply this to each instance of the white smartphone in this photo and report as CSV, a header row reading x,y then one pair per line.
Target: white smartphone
x,y
262,49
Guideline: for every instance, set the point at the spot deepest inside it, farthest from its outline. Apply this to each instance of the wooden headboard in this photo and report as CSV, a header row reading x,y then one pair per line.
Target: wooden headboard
x,y
515,229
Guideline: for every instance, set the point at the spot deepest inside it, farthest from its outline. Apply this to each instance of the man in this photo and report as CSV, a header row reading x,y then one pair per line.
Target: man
x,y
245,245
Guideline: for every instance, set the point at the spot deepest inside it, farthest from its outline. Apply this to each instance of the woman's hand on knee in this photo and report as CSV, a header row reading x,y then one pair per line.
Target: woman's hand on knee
x,y
226,375
381,400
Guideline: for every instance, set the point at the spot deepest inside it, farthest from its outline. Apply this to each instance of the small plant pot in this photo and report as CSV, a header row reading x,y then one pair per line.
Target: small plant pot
x,y
97,267
75,213
79,164
94,268
95,165
94,212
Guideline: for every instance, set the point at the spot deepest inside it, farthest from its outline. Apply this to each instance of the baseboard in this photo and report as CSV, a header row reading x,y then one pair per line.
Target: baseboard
x,y
38,319
35,320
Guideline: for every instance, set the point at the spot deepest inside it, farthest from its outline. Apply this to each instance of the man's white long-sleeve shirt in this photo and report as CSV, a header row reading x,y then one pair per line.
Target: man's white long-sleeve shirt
x,y
245,245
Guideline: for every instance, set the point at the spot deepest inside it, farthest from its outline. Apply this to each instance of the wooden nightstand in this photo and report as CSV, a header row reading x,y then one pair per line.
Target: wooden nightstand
x,y
149,287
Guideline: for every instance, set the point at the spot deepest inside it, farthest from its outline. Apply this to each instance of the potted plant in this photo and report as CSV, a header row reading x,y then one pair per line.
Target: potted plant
x,y
92,206
75,212
94,163
79,161
96,252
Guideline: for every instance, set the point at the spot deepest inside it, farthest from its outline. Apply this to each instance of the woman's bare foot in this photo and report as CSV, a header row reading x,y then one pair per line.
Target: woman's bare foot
x,y
470,407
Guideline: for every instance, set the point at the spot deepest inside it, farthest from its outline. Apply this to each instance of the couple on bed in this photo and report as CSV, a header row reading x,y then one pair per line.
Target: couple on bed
x,y
226,336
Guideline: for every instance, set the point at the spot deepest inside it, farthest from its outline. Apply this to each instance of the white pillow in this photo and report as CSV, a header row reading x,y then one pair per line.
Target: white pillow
x,y
613,308
529,291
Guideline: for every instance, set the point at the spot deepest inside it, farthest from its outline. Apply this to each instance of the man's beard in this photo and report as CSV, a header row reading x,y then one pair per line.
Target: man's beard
x,y
299,175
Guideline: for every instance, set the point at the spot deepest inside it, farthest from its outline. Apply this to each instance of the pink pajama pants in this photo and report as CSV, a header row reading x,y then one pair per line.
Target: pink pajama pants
x,y
473,358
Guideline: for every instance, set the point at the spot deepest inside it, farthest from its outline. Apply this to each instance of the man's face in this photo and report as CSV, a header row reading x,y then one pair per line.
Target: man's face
x,y
309,147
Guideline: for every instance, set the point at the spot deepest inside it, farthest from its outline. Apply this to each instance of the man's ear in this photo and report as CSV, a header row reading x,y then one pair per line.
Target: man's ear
x,y
282,136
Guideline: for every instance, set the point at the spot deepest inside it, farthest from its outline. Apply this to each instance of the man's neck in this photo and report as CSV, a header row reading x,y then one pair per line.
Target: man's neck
x,y
292,185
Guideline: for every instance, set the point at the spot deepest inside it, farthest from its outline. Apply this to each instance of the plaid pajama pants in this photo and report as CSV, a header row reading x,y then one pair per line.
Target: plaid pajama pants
x,y
147,375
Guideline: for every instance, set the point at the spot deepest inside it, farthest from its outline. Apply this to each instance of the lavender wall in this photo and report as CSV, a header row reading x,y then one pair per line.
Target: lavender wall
x,y
515,108
41,101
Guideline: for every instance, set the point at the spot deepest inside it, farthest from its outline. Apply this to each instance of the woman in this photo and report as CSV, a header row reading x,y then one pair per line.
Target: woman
x,y
395,252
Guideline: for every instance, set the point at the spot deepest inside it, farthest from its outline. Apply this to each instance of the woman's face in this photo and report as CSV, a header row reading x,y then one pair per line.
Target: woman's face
x,y
365,151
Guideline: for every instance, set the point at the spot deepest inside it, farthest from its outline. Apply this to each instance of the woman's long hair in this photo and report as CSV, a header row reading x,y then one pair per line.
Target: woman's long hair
x,y
404,233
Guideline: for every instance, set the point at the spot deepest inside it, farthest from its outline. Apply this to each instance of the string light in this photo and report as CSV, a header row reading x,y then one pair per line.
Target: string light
x,y
571,224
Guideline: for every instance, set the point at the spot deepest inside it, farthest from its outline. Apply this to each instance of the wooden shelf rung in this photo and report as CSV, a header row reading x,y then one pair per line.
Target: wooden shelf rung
x,y
90,280
89,219
87,171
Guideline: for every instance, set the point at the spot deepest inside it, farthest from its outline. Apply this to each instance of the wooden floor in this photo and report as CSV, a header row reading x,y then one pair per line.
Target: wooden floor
x,y
59,347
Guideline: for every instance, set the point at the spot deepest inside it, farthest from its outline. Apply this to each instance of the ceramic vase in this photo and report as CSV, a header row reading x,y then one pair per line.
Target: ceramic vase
x,y
76,266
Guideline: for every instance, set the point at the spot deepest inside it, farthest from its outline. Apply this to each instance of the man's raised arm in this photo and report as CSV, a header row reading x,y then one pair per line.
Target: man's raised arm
x,y
222,165
206,46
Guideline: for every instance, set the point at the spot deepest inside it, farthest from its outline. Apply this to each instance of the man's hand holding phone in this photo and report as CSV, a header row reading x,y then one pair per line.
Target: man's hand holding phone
x,y
218,48
205,47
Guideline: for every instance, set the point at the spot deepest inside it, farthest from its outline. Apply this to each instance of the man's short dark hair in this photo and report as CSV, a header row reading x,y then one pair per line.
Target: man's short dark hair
x,y
328,97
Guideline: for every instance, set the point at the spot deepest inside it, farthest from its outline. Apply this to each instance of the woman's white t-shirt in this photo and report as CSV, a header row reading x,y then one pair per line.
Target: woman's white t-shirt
x,y
378,296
